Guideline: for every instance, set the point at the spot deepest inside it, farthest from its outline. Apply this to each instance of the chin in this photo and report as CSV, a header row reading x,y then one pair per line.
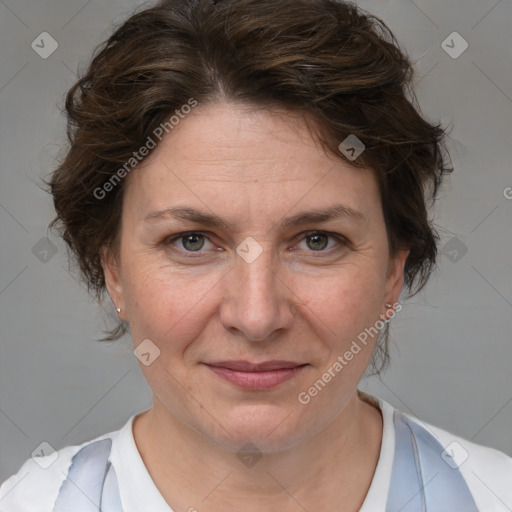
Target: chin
x,y
269,428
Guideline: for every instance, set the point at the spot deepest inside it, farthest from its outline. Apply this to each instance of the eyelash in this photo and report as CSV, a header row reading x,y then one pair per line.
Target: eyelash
x,y
168,242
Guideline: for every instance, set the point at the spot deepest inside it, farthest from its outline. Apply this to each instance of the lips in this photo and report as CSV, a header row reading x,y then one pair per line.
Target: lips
x,y
246,366
256,376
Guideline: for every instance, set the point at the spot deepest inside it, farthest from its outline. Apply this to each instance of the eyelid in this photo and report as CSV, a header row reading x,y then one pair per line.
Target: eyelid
x,y
342,240
168,241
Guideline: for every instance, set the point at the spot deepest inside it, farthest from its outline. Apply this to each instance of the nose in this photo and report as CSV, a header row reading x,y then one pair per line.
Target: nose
x,y
258,302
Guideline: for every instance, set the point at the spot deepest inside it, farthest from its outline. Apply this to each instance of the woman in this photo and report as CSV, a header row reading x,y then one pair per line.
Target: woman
x,y
248,181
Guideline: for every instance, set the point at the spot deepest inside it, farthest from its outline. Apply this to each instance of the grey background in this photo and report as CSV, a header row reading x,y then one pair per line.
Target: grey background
x,y
452,343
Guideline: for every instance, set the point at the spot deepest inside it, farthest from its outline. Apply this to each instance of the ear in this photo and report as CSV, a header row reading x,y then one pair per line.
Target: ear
x,y
113,282
395,278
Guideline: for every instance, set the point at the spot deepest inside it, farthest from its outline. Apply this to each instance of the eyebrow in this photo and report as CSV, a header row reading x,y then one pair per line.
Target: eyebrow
x,y
211,220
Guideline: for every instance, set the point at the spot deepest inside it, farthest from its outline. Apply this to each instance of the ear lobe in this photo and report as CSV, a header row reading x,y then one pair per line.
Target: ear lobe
x,y
112,275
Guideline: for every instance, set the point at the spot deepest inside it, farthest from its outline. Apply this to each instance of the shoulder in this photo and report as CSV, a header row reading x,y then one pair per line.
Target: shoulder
x,y
37,483
487,472
458,451
428,467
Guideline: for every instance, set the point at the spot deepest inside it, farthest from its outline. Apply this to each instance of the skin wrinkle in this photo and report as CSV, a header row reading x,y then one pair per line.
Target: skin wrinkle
x,y
203,53
284,305
272,152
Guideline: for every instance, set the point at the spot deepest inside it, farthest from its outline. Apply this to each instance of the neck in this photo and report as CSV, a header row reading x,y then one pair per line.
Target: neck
x,y
190,471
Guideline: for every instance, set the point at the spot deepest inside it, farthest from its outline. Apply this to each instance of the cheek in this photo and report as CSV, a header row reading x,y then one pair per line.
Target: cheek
x,y
164,304
167,304
345,302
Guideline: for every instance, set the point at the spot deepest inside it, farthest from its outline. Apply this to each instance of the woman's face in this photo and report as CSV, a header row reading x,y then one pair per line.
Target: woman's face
x,y
253,282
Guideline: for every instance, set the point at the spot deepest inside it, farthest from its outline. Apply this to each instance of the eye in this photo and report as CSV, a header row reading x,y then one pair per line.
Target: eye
x,y
192,241
318,241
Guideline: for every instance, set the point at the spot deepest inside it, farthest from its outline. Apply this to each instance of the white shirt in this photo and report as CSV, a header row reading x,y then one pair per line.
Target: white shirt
x,y
486,472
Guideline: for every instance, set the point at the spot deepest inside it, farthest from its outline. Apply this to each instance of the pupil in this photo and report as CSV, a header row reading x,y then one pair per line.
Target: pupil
x,y
192,237
315,238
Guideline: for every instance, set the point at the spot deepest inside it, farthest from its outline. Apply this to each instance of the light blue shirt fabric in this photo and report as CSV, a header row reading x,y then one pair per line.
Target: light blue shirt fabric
x,y
418,471
421,468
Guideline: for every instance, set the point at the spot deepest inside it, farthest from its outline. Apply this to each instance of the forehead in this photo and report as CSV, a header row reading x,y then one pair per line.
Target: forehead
x,y
242,153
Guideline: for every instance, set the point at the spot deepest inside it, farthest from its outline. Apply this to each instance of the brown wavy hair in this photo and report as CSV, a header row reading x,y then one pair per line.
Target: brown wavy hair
x,y
329,60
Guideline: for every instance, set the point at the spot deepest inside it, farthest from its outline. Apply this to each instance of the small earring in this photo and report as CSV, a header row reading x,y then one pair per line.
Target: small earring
x,y
118,310
388,305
